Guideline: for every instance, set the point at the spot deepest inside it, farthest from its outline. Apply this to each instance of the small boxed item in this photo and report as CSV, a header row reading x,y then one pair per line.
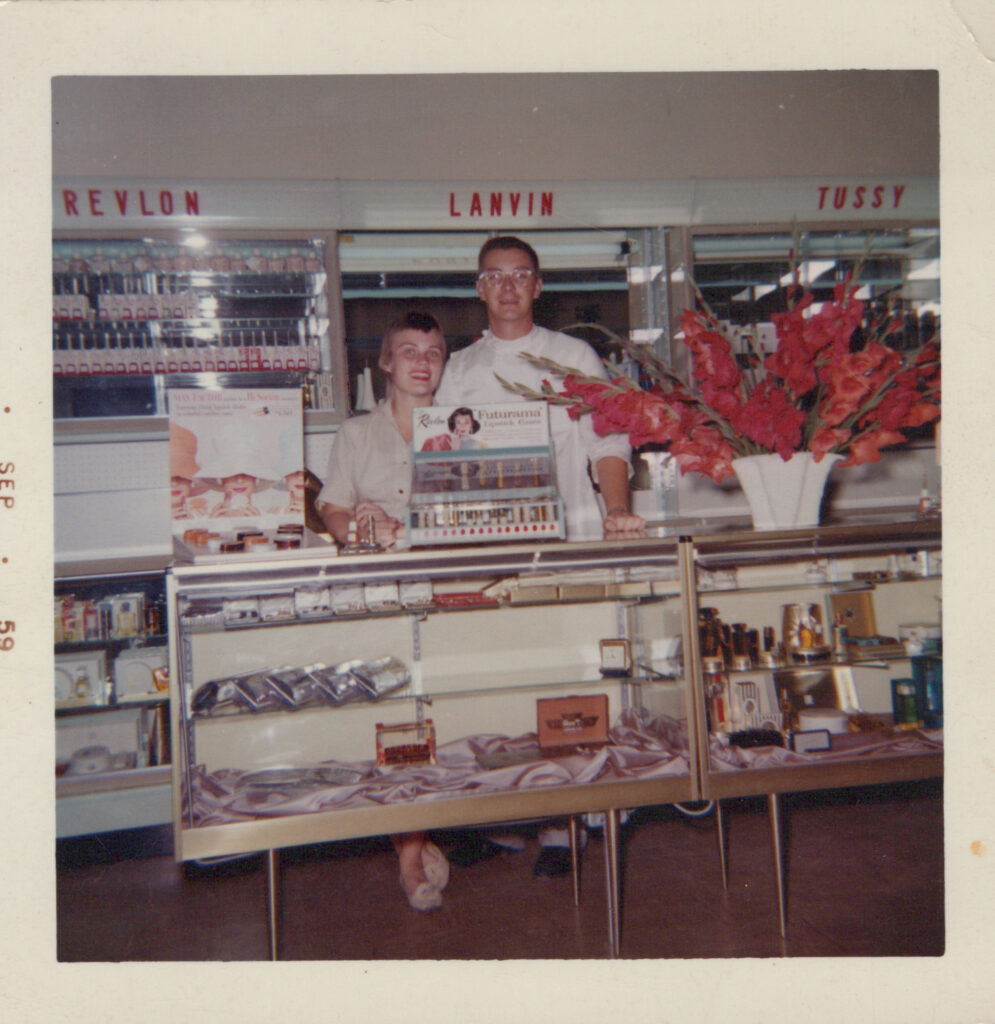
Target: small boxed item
x,y
135,673
277,607
410,743
380,597
312,602
616,657
240,611
337,683
568,722
127,615
809,741
382,676
80,680
415,593
347,597
296,686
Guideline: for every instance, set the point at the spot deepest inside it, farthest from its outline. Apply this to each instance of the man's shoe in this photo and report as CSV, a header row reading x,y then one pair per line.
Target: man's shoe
x,y
552,861
472,850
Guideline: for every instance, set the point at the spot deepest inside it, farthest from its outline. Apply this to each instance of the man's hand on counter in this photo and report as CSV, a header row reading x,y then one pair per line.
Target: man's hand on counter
x,y
620,522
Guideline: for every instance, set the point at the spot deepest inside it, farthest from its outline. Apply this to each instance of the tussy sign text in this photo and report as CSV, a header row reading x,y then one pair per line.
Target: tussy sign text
x,y
857,197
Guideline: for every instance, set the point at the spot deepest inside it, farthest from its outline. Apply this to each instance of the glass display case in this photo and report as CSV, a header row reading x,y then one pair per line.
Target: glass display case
x,y
732,663
279,716
818,660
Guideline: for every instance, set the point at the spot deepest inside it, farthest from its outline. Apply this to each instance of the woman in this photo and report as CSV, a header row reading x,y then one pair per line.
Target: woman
x,y
369,482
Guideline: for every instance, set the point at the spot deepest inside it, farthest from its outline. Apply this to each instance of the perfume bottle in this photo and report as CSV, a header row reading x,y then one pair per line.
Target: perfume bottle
x,y
81,684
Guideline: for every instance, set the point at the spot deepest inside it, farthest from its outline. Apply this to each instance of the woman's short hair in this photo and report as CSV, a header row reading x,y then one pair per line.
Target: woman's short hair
x,y
413,321
463,411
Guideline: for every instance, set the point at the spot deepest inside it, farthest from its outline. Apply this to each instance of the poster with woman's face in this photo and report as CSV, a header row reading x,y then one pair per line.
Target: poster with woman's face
x,y
236,459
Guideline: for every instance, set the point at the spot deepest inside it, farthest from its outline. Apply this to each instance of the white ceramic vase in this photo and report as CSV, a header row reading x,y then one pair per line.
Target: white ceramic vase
x,y
783,494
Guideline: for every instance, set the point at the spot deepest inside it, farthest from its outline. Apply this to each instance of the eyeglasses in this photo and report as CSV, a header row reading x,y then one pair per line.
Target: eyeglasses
x,y
519,277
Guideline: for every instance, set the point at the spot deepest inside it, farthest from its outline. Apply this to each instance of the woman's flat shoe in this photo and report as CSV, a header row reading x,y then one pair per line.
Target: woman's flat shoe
x,y
425,896
435,864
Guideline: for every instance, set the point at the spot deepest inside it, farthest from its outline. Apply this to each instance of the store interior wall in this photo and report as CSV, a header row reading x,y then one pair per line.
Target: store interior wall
x,y
567,126
603,126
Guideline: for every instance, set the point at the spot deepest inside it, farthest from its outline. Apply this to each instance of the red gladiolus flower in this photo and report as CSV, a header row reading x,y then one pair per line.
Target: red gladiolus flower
x,y
868,448
812,393
824,440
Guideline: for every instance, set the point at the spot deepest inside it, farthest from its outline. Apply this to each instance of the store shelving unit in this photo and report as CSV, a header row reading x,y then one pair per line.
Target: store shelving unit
x,y
112,731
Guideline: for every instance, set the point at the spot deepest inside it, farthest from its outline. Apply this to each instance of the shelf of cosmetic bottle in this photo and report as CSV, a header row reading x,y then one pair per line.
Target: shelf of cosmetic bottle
x,y
235,283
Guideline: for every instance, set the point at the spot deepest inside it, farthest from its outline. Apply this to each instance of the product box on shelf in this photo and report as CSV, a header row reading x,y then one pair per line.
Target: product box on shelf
x,y
81,679
567,722
140,673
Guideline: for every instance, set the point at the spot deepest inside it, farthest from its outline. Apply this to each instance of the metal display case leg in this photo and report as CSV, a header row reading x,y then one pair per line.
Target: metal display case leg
x,y
612,887
574,859
720,835
774,812
273,902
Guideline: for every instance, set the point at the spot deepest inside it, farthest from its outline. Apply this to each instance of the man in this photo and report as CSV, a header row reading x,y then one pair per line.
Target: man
x,y
508,283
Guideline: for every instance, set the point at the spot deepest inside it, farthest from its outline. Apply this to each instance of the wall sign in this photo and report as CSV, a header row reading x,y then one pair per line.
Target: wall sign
x,y
110,204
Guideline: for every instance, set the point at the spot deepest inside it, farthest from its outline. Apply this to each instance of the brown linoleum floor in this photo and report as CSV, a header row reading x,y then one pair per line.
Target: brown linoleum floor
x,y
864,869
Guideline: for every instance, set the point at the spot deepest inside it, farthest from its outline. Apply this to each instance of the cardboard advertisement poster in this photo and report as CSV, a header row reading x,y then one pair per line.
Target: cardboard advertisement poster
x,y
508,426
236,459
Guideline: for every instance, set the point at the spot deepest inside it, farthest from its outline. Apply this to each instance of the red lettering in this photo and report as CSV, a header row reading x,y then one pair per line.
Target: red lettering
x,y
878,193
546,205
69,202
531,199
514,198
166,202
496,198
94,196
839,197
823,189
859,200
192,199
898,190
122,200
453,212
141,202
476,210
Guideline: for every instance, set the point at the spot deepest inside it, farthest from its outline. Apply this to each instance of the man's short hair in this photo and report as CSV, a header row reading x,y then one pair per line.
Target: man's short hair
x,y
413,321
503,242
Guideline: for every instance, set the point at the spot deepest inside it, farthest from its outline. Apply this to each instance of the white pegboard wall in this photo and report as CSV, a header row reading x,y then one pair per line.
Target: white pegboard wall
x,y
122,466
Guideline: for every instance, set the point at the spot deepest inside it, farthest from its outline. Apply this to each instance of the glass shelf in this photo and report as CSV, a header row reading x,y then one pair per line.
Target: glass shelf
x,y
849,585
152,700
430,696
71,646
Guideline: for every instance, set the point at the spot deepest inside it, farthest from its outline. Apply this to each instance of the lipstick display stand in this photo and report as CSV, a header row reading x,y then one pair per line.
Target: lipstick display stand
x,y
494,483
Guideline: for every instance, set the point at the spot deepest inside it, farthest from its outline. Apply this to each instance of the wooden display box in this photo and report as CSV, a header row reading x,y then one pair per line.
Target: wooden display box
x,y
568,722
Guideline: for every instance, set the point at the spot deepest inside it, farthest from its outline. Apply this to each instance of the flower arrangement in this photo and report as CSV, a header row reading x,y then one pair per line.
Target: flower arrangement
x,y
830,386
